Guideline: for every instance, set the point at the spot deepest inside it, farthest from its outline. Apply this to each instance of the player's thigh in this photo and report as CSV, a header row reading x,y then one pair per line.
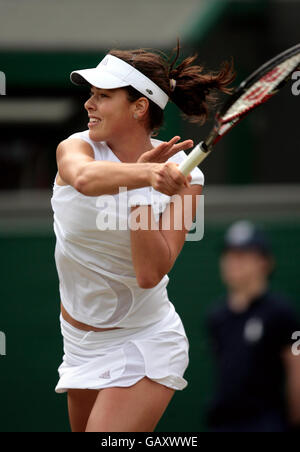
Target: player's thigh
x,y
136,408
80,404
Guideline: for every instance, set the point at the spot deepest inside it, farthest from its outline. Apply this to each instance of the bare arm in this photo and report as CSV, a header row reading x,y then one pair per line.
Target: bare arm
x,y
77,167
292,366
154,252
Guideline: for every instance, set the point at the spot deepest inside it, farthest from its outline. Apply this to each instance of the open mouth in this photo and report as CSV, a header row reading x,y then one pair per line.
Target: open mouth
x,y
93,122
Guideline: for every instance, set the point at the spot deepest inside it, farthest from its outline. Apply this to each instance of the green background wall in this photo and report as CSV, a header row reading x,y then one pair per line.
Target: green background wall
x,y
29,316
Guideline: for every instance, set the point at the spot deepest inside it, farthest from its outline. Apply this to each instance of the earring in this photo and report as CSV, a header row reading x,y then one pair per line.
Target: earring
x,y
135,116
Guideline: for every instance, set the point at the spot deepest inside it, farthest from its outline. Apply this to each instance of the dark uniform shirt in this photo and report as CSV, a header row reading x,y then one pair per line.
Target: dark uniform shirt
x,y
250,371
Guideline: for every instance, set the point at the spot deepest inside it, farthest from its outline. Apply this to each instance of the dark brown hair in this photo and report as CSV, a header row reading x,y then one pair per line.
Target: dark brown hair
x,y
195,92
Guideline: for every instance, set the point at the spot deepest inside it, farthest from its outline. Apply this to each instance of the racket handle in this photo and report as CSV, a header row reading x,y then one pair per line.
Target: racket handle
x,y
195,157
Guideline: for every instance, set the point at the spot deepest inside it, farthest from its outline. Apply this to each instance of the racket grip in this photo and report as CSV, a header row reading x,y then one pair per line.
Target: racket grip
x,y
195,157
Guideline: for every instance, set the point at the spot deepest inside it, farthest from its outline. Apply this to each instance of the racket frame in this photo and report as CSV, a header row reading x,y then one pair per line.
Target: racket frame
x,y
203,149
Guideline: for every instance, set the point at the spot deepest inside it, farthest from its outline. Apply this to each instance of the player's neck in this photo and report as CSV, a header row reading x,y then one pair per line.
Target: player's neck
x,y
239,299
129,147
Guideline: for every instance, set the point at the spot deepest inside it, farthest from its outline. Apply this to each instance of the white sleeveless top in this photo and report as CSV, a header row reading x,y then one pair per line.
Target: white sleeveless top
x,y
97,281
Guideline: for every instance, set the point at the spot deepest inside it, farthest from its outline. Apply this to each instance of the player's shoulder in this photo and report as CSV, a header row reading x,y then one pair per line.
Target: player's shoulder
x,y
67,148
85,144
83,135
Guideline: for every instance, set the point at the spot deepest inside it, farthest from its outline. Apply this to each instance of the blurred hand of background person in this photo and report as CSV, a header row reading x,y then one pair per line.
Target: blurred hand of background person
x,y
258,376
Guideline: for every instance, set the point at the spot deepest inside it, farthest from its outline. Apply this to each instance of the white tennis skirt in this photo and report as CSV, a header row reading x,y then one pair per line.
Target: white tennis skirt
x,y
122,357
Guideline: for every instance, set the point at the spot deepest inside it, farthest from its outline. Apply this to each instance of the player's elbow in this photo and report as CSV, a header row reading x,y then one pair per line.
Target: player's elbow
x,y
81,184
83,181
148,278
148,281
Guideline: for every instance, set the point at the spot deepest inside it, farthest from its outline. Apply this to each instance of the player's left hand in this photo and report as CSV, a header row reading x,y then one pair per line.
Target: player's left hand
x,y
165,150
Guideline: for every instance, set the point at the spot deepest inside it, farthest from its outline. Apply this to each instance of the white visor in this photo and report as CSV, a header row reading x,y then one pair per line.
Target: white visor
x,y
112,72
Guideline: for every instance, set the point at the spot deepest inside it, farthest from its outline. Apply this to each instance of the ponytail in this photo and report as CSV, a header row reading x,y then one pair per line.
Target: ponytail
x,y
194,92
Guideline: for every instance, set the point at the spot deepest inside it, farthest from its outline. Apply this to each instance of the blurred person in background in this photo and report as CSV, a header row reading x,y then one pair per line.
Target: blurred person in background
x,y
250,330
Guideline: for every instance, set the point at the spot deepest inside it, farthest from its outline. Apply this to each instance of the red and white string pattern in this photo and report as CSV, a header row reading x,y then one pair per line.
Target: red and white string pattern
x,y
262,89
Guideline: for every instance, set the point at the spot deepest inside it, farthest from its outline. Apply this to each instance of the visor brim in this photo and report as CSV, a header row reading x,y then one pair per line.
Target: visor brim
x,y
97,79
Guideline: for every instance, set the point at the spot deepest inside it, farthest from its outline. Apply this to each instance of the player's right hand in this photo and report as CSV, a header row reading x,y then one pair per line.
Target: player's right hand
x,y
167,178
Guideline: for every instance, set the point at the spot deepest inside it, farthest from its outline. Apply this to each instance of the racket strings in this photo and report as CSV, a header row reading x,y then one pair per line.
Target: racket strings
x,y
263,89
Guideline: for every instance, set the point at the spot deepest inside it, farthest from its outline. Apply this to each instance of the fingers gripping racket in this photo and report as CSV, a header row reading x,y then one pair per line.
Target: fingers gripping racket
x,y
260,86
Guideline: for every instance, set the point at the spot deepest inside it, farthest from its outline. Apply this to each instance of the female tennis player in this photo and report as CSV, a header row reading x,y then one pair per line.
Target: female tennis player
x,y
125,348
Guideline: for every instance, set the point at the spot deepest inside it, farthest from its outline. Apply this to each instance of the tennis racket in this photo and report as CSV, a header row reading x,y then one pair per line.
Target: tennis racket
x,y
260,86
